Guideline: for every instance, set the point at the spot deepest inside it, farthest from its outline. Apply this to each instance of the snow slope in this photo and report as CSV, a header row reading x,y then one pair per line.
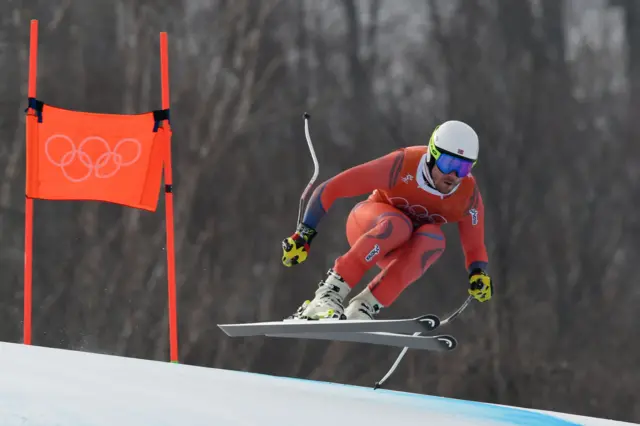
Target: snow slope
x,y
53,387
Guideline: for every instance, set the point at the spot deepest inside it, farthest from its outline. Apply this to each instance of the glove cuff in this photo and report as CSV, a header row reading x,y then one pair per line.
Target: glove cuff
x,y
306,232
477,271
478,267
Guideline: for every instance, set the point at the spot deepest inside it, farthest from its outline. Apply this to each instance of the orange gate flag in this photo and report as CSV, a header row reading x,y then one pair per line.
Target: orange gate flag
x,y
75,155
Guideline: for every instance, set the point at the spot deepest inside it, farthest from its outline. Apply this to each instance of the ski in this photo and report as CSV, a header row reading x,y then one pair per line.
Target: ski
x,y
441,343
421,324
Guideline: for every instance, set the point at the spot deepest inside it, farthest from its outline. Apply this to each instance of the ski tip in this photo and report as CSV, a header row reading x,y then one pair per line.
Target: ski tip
x,y
450,342
430,321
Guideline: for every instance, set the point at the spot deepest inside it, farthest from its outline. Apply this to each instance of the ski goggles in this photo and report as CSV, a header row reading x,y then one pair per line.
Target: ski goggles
x,y
448,162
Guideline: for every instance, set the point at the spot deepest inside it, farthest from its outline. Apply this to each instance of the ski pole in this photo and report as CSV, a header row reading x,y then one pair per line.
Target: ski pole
x,y
417,333
316,167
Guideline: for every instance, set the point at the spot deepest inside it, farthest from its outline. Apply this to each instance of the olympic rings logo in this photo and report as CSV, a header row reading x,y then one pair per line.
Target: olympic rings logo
x,y
417,212
96,168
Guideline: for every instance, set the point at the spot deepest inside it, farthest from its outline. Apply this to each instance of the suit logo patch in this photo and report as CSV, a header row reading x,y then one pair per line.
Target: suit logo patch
x,y
474,216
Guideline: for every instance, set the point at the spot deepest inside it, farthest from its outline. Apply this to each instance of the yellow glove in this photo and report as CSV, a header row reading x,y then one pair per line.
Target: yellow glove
x,y
295,248
480,285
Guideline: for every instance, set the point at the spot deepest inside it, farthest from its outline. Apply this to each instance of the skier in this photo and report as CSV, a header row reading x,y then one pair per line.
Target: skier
x,y
413,192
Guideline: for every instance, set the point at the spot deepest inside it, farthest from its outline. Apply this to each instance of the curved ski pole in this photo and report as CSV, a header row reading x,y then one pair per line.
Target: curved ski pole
x,y
316,167
417,333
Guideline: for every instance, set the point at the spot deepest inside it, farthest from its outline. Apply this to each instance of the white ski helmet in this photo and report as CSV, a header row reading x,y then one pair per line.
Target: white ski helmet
x,y
459,144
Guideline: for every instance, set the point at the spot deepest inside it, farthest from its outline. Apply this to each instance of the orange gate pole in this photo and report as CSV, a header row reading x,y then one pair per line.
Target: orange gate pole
x,y
168,181
28,207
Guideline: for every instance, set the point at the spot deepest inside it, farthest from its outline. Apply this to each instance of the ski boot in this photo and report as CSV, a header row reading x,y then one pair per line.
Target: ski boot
x,y
363,306
328,300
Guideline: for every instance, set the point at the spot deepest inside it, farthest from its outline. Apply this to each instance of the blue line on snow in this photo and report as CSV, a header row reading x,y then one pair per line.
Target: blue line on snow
x,y
480,410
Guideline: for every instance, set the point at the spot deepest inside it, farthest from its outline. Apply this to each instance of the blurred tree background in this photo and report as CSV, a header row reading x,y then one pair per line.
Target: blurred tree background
x,y
551,87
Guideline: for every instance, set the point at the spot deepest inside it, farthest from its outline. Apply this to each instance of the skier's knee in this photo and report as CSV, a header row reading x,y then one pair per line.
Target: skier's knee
x,y
434,234
392,226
